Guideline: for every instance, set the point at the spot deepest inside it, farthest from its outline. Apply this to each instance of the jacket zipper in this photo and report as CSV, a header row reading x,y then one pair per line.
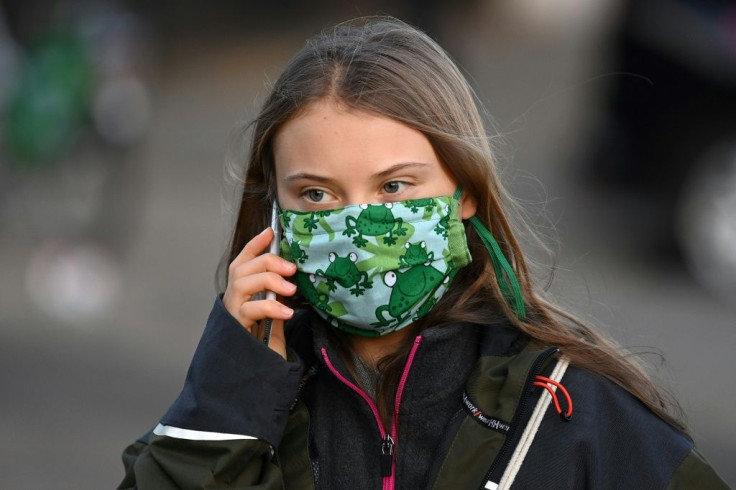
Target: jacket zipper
x,y
495,471
388,441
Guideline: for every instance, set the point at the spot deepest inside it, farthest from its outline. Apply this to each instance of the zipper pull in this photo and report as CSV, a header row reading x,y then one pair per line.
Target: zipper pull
x,y
387,455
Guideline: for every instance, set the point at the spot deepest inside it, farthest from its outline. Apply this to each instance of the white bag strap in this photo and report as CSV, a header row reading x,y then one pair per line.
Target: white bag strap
x,y
517,458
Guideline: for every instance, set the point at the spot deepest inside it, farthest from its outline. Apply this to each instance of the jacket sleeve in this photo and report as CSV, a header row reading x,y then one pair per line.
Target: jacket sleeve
x,y
696,472
222,429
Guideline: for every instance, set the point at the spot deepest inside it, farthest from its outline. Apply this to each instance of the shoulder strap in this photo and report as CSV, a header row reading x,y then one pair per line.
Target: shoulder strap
x,y
517,458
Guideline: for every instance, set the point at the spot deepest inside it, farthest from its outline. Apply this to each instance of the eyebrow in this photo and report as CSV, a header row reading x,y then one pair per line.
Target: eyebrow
x,y
397,167
380,175
306,176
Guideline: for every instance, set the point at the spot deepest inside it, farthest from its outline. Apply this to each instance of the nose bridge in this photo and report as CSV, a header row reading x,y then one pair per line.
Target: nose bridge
x,y
351,179
358,191
359,200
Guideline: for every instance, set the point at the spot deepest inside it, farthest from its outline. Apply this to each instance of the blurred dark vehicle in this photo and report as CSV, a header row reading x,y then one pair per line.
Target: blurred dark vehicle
x,y
669,133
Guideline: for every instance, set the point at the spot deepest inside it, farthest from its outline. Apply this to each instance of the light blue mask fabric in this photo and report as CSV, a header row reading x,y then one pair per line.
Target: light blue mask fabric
x,y
373,269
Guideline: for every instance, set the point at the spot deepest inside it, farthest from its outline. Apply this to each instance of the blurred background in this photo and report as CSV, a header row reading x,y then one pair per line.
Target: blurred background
x,y
614,127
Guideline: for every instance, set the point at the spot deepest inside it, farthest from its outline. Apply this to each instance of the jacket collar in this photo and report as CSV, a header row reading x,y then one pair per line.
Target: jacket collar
x,y
444,362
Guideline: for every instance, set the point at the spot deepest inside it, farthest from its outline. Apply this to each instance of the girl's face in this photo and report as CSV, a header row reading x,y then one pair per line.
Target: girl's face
x,y
330,157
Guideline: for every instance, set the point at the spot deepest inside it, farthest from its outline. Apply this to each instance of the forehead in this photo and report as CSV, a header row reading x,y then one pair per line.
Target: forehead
x,y
327,136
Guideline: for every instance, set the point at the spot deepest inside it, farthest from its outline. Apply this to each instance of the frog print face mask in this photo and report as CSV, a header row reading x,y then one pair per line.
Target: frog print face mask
x,y
373,269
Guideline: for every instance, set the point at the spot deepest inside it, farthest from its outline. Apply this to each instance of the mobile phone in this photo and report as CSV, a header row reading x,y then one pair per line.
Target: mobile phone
x,y
274,249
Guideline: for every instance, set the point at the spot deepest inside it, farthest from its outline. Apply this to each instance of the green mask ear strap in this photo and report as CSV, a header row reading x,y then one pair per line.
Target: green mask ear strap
x,y
507,282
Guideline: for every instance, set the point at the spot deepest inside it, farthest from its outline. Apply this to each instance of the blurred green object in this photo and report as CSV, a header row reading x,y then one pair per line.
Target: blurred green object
x,y
51,103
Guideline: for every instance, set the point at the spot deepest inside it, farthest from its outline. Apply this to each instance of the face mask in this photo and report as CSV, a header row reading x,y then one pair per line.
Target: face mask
x,y
373,269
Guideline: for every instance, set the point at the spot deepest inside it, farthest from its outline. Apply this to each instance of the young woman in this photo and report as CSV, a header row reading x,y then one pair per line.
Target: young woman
x,y
408,347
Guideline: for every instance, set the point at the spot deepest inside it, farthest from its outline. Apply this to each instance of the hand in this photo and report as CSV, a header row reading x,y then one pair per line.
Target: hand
x,y
254,272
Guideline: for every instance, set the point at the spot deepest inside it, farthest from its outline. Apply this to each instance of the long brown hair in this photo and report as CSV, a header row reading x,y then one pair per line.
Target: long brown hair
x,y
386,67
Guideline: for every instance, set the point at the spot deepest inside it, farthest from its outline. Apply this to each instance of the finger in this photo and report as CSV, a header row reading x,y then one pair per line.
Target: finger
x,y
243,290
251,312
246,286
255,246
267,262
277,342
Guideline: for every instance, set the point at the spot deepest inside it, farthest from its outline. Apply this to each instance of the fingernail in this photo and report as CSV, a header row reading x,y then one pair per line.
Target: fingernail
x,y
286,310
290,286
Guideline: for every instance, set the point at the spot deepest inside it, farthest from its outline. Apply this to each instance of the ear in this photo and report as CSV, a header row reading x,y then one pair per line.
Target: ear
x,y
468,206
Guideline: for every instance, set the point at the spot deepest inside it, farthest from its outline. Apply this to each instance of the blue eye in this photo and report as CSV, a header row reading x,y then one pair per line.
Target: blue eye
x,y
315,195
393,187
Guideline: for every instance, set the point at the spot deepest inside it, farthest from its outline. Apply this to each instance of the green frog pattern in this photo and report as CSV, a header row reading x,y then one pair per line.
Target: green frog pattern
x,y
374,220
443,226
385,263
410,286
312,222
297,253
416,254
427,204
344,271
306,285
